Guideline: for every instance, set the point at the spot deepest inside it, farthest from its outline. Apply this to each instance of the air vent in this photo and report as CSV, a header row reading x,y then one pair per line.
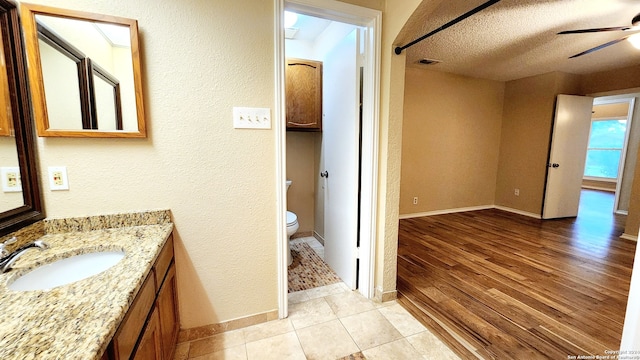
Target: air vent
x,y
429,61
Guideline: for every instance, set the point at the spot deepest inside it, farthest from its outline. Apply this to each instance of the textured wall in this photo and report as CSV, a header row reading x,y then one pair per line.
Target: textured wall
x,y
395,16
450,141
526,130
302,170
9,158
199,59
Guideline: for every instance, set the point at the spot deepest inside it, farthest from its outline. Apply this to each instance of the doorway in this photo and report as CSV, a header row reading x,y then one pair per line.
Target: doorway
x,y
369,20
611,154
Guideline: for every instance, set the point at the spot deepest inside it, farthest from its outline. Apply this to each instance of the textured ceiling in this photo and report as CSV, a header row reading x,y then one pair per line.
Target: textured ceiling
x,y
518,38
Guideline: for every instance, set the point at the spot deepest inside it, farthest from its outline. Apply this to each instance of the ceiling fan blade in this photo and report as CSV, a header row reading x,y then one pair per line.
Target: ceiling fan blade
x,y
582,31
600,47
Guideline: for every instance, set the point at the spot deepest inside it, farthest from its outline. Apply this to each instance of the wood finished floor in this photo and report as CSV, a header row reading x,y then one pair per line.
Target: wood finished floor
x,y
497,285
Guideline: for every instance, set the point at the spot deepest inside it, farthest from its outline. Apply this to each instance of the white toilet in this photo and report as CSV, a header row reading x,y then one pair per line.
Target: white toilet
x,y
292,227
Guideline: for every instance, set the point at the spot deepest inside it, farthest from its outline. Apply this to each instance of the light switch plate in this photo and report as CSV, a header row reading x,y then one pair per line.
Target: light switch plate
x,y
251,118
58,178
11,179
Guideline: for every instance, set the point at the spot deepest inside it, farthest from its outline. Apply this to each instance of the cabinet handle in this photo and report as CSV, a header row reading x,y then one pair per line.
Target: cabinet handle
x,y
299,124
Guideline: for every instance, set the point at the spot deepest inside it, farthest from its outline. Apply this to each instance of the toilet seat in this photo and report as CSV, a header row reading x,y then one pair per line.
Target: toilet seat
x,y
292,218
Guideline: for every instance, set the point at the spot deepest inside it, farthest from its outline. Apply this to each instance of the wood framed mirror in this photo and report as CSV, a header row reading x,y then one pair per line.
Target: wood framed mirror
x,y
20,201
84,73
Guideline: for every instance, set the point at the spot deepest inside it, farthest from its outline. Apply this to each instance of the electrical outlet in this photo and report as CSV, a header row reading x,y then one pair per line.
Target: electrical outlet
x,y
516,192
415,200
11,179
58,178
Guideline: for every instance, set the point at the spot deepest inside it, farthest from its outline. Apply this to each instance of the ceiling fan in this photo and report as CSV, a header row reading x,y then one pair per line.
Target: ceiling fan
x,y
635,26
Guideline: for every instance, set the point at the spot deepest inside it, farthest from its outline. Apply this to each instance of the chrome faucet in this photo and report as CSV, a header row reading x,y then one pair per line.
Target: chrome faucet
x,y
7,260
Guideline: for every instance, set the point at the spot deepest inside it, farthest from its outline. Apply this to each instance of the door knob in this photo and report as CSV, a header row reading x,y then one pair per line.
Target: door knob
x,y
554,165
324,174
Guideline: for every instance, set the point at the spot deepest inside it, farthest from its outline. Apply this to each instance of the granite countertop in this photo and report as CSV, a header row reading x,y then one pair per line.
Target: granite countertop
x,y
78,320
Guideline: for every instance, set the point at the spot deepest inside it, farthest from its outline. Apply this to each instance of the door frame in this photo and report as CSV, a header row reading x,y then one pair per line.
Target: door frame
x,y
372,21
604,100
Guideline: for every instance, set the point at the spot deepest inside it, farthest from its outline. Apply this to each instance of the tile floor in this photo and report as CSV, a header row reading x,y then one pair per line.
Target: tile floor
x,y
330,322
313,242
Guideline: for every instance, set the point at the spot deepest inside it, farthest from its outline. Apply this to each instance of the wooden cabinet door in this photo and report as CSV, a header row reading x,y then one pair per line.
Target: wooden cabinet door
x,y
150,346
124,341
304,94
167,305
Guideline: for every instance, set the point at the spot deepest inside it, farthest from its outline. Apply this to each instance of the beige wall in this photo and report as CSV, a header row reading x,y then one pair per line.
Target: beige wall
x,y
607,111
611,80
218,182
450,141
526,129
395,16
9,158
302,169
599,185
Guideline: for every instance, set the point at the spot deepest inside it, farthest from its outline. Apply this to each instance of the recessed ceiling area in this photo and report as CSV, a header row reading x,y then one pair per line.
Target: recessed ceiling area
x,y
514,39
306,28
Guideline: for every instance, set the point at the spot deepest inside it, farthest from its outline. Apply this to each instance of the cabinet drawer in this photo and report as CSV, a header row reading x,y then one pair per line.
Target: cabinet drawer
x,y
127,335
163,261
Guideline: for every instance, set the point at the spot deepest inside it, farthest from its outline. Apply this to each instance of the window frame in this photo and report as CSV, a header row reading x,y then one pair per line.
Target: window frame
x,y
622,149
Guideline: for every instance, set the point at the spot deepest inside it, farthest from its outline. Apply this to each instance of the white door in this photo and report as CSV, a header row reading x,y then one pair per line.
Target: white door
x,y
569,142
341,139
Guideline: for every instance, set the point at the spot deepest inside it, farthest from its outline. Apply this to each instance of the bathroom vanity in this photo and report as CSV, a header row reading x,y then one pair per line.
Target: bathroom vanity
x,y
128,311
152,320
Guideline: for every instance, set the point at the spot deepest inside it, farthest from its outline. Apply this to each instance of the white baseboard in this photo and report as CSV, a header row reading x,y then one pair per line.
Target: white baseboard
x,y
629,237
446,211
472,208
318,237
519,212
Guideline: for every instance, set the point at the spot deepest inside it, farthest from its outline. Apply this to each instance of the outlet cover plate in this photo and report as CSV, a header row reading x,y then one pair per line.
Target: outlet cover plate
x,y
58,178
251,118
11,179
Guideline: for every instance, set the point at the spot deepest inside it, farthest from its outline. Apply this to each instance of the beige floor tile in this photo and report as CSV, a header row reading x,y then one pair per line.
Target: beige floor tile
x,y
406,324
348,303
310,312
280,347
182,351
378,304
396,350
266,330
327,290
370,329
216,343
328,341
356,356
234,353
431,347
298,297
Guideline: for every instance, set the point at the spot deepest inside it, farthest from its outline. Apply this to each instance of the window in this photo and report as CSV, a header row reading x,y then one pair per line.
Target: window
x,y
605,148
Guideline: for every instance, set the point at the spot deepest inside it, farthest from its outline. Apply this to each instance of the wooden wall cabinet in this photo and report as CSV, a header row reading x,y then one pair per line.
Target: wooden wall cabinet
x,y
150,328
304,95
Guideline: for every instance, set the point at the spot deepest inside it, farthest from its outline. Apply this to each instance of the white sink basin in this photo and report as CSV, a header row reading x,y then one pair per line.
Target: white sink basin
x,y
66,271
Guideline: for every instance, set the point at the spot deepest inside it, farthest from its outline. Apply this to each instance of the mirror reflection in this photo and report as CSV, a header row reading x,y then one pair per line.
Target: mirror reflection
x,y
6,117
85,78
11,187
20,201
